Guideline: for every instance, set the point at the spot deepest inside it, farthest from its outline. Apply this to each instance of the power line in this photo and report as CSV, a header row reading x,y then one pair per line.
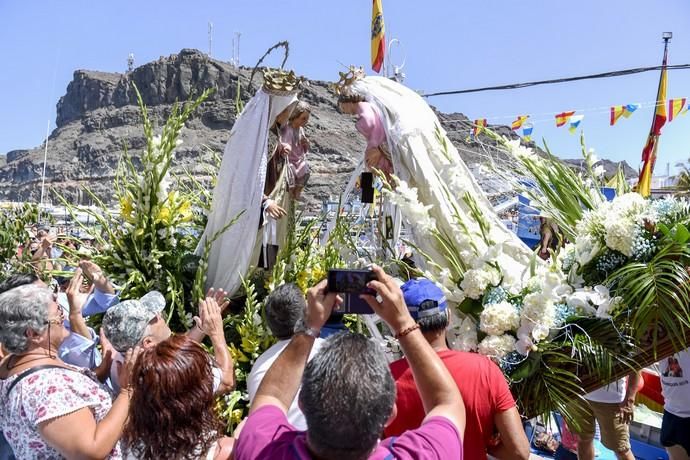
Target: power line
x,y
615,73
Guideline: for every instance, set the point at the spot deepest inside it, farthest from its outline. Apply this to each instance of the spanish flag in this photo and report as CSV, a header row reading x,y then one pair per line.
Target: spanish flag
x,y
378,36
644,184
563,117
675,106
517,124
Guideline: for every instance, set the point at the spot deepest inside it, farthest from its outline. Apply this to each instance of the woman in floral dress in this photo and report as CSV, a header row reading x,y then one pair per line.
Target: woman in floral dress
x,y
48,409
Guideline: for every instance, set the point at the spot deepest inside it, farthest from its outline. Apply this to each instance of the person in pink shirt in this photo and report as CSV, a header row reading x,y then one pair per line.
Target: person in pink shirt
x,y
370,125
348,393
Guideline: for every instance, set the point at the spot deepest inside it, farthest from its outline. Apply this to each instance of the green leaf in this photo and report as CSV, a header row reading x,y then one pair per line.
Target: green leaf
x,y
681,234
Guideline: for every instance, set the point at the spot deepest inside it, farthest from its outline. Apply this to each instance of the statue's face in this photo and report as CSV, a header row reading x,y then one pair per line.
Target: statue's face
x,y
301,120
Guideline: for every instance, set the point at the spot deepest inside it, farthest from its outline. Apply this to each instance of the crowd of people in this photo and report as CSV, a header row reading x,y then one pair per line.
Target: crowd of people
x,y
135,390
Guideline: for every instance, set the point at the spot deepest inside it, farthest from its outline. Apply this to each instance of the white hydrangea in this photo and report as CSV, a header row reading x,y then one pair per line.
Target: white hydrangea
x,y
620,235
539,310
498,318
475,282
497,346
464,336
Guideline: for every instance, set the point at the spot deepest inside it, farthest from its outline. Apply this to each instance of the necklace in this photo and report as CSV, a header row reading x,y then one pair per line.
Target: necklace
x,y
11,365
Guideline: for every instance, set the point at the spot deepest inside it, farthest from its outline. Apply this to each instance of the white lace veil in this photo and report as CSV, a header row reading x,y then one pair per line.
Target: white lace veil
x,y
240,187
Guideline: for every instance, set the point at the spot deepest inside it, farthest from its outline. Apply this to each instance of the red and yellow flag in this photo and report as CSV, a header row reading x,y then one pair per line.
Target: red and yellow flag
x,y
675,106
563,117
644,183
378,36
519,121
479,126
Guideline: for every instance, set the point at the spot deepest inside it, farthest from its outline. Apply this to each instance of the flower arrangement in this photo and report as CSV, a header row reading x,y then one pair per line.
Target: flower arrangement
x,y
150,244
540,321
13,233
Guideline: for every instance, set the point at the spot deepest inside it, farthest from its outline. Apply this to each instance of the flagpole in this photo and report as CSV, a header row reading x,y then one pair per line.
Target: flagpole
x,y
644,183
43,175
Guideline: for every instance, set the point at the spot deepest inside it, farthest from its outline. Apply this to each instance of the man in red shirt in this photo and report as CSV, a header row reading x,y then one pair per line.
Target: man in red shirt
x,y
489,404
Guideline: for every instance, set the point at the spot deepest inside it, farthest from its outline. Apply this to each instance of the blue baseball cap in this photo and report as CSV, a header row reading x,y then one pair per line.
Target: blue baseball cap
x,y
423,298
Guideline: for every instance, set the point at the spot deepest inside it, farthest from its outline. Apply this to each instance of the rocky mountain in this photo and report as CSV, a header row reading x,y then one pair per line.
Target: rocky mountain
x,y
98,116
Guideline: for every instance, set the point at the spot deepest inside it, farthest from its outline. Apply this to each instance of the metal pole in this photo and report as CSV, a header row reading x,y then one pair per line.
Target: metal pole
x,y
43,175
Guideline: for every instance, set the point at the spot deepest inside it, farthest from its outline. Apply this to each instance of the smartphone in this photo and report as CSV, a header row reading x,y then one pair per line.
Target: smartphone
x,y
353,305
350,281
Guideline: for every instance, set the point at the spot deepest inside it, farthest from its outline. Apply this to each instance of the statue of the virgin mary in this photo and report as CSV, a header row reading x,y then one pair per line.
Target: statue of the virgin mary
x,y
249,182
405,139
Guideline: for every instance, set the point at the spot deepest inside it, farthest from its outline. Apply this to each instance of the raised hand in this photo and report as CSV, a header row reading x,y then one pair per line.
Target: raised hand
x,y
320,304
209,321
389,302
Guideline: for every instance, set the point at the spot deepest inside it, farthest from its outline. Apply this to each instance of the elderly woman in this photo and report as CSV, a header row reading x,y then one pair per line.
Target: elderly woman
x,y
49,409
172,415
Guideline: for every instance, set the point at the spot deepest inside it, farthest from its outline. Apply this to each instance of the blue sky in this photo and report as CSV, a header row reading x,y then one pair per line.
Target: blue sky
x,y
448,44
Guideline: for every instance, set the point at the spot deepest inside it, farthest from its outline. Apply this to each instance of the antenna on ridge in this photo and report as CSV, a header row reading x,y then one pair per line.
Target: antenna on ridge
x,y
210,39
235,59
130,62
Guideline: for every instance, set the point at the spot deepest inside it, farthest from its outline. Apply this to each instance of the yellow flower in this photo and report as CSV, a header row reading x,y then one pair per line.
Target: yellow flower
x,y
126,208
248,345
185,211
237,355
236,417
164,215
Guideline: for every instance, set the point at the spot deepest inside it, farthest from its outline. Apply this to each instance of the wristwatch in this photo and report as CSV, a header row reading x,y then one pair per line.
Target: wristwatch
x,y
302,328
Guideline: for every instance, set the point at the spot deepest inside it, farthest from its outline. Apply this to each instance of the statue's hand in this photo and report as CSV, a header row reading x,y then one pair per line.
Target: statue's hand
x,y
372,157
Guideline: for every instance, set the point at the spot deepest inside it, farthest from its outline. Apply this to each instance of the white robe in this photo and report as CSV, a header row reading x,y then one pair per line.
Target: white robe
x,y
240,187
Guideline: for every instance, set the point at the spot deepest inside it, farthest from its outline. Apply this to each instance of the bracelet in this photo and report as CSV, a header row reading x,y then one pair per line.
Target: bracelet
x,y
406,331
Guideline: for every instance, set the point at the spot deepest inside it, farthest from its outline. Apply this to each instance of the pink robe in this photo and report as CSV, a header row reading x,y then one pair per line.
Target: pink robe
x,y
370,125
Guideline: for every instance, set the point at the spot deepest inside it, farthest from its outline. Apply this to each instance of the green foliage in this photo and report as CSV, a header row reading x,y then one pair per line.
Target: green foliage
x,y
249,339
659,290
150,244
14,222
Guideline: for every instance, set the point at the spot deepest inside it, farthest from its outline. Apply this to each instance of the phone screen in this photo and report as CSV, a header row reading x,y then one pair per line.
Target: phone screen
x,y
350,281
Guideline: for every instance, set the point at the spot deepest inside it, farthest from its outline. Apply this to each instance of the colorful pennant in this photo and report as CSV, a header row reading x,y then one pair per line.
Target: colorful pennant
x,y
618,111
675,108
563,117
527,132
575,121
479,126
517,124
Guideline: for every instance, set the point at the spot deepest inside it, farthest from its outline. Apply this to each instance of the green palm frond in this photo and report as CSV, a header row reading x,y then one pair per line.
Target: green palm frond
x,y
659,292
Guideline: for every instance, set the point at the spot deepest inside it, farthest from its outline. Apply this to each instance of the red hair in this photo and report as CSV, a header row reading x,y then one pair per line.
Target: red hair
x,y
171,412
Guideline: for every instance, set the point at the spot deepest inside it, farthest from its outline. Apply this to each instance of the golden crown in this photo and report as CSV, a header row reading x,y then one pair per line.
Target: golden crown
x,y
281,82
348,78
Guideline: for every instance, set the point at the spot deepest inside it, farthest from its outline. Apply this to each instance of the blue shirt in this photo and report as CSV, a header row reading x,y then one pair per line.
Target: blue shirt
x,y
79,350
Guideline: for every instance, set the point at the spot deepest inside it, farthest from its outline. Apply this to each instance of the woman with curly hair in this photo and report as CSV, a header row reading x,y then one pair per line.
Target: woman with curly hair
x,y
171,414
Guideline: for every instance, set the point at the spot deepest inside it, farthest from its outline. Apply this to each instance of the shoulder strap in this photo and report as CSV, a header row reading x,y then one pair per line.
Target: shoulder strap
x,y
28,372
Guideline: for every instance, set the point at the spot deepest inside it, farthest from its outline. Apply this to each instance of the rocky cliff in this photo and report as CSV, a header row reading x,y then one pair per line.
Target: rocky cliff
x,y
98,116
